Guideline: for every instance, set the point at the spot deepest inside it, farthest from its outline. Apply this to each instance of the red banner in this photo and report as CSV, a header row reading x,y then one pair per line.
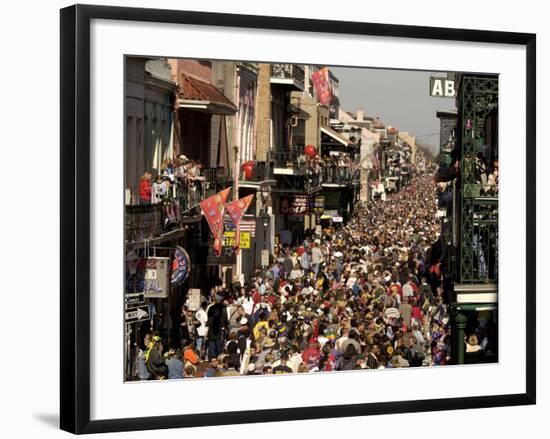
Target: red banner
x,y
212,209
236,210
322,85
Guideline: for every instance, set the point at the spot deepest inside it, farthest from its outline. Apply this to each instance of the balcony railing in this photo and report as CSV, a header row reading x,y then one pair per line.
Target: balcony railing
x,y
143,222
290,158
340,175
162,216
262,171
291,74
479,241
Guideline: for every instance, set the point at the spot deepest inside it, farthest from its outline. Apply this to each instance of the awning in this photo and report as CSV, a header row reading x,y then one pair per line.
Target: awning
x,y
202,96
334,135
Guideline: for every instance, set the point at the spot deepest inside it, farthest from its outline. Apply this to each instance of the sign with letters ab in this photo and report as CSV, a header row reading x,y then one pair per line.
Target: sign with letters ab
x,y
442,87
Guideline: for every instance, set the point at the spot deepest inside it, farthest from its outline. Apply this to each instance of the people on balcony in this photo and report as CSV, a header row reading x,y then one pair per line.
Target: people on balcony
x,y
145,188
492,180
167,169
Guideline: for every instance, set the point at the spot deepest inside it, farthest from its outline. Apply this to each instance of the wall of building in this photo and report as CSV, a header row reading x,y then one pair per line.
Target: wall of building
x,y
148,136
263,108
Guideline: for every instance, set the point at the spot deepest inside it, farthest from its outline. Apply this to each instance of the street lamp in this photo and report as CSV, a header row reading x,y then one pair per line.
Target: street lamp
x,y
265,223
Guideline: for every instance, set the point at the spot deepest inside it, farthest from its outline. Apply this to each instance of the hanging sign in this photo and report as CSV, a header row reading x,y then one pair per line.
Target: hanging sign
x,y
317,204
154,279
181,265
229,239
294,205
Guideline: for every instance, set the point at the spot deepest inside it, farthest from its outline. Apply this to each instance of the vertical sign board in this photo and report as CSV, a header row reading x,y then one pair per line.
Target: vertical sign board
x,y
155,278
442,87
194,299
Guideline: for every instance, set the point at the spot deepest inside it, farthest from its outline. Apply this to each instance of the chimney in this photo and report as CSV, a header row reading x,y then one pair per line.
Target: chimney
x,y
359,116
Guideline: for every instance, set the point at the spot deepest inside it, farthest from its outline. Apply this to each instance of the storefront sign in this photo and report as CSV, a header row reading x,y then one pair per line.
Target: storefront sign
x,y
294,205
181,265
154,276
229,239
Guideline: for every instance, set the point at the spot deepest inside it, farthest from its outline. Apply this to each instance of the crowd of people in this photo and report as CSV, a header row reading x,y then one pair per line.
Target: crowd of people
x,y
367,295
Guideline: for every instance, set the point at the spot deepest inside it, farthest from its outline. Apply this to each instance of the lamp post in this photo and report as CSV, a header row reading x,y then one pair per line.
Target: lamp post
x,y
265,223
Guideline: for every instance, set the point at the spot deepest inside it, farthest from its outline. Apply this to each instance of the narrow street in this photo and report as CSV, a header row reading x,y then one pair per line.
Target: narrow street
x,y
270,230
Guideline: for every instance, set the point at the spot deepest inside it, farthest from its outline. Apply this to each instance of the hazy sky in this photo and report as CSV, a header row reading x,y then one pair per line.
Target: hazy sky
x,y
400,98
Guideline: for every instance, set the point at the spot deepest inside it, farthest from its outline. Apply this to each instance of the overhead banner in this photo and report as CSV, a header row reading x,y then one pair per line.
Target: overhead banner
x,y
321,83
213,208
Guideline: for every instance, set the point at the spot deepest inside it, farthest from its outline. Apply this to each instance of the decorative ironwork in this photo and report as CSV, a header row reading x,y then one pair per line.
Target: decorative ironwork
x,y
478,252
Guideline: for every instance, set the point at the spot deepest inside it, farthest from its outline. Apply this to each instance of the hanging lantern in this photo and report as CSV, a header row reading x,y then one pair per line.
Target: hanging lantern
x,y
469,124
310,151
248,169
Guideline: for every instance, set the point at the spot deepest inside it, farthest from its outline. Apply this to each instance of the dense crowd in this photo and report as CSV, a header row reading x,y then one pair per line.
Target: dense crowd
x,y
367,295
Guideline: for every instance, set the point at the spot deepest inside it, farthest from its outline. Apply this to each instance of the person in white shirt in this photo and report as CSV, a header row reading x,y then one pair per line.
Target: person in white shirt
x,y
246,301
296,272
202,317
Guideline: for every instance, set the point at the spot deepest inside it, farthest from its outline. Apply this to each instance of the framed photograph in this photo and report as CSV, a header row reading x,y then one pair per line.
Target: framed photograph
x,y
292,219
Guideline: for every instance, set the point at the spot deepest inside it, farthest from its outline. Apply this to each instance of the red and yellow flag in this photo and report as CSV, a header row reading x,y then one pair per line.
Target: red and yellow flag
x,y
236,210
212,209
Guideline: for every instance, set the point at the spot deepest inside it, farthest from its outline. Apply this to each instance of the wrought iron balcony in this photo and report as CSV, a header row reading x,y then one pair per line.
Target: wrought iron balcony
x,y
289,161
288,74
261,172
479,241
339,176
153,220
143,222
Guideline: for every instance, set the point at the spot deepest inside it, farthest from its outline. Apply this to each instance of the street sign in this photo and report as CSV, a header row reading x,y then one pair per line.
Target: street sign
x,y
134,299
137,314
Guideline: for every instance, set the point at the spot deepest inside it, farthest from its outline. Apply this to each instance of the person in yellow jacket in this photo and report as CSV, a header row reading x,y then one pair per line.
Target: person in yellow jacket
x,y
261,324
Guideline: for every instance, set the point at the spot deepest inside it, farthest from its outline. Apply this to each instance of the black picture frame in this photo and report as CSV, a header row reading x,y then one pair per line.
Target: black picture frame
x,y
75,217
